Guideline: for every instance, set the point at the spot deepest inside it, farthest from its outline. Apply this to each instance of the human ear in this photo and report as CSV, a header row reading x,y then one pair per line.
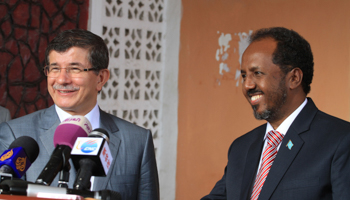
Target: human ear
x,y
295,78
103,76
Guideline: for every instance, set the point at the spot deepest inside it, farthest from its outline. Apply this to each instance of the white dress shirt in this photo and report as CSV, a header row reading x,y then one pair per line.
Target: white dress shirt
x,y
94,118
283,128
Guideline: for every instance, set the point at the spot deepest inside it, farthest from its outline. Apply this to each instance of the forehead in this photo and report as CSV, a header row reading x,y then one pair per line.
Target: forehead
x,y
73,54
259,52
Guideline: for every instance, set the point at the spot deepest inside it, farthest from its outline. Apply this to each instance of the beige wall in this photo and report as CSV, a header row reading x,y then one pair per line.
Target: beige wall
x,y
212,110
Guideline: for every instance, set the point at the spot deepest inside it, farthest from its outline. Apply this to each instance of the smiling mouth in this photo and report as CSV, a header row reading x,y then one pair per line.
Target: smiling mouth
x,y
65,91
255,98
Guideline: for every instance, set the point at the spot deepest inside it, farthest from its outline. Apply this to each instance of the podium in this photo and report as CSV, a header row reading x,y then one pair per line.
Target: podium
x,y
18,197
19,189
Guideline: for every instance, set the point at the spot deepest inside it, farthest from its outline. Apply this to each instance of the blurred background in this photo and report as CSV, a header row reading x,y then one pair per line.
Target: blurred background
x,y
175,69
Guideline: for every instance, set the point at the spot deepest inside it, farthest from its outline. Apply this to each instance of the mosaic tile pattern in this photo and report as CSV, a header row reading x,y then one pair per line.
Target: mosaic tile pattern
x,y
26,28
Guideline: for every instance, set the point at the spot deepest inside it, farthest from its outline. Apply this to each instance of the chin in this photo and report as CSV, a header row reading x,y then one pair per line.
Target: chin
x,y
64,106
263,115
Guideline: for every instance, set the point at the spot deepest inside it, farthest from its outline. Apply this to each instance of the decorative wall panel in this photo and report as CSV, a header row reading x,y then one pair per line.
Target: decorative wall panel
x,y
26,27
132,29
143,41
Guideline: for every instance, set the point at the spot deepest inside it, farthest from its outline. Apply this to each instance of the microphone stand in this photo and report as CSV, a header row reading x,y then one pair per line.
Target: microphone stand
x,y
82,181
25,188
64,173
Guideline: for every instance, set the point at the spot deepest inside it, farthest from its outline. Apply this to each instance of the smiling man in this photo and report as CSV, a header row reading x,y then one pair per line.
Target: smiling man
x,y
76,70
72,89
301,152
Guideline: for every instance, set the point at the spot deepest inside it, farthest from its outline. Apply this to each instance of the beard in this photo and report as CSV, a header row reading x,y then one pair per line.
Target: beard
x,y
278,97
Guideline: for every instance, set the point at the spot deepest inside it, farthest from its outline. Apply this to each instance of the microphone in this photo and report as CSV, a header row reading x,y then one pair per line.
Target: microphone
x,y
15,161
92,156
21,187
64,137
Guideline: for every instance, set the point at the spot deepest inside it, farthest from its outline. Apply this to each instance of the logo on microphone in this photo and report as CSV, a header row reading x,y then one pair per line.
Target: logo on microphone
x,y
88,127
106,156
75,119
89,146
21,163
7,155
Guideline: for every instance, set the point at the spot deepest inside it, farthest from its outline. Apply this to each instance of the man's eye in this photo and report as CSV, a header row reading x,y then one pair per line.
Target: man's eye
x,y
54,69
75,70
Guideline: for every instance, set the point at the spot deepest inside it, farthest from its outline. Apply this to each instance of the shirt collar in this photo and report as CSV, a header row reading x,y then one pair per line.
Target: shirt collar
x,y
93,116
283,128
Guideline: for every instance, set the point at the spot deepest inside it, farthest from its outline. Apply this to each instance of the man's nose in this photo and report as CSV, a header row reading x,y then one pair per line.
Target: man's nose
x,y
63,76
249,83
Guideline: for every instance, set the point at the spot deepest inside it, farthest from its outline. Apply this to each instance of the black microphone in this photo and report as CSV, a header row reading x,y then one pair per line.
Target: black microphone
x,y
92,157
65,135
15,161
20,187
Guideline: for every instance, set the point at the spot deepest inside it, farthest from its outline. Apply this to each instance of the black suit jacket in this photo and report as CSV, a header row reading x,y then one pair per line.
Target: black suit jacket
x,y
317,167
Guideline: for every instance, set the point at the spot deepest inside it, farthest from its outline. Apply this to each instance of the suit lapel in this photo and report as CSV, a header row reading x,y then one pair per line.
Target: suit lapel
x,y
252,162
281,164
285,156
48,124
109,125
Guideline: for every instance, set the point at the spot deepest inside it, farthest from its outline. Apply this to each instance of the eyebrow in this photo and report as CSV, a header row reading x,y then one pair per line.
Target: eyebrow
x,y
251,69
254,68
72,63
75,63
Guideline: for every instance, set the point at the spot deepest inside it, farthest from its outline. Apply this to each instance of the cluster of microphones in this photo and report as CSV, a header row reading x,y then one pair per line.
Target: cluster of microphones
x,y
73,139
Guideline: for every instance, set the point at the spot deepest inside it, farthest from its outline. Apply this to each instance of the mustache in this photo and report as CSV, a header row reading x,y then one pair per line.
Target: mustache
x,y
65,87
250,92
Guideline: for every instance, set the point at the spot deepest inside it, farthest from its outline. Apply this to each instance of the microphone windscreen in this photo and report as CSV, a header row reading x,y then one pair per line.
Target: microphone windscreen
x,y
29,145
99,132
70,129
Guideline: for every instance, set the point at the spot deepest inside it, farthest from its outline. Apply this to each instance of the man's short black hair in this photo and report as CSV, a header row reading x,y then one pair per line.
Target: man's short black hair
x,y
292,51
98,51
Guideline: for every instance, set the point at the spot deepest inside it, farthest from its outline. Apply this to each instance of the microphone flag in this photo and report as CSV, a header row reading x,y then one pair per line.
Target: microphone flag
x,y
17,159
96,149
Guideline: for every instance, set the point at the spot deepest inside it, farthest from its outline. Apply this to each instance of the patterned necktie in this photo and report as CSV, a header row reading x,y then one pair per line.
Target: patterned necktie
x,y
273,140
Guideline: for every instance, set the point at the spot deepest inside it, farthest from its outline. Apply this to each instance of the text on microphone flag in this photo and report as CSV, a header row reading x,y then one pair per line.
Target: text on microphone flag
x,y
7,155
21,163
16,159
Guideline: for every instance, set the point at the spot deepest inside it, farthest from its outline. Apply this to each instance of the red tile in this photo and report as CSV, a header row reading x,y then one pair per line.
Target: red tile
x,y
31,72
11,46
30,93
21,14
35,16
6,28
3,11
16,93
20,34
15,72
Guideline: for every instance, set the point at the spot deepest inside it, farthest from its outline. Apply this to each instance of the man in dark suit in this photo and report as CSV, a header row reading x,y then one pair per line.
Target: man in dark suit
x,y
76,70
301,153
